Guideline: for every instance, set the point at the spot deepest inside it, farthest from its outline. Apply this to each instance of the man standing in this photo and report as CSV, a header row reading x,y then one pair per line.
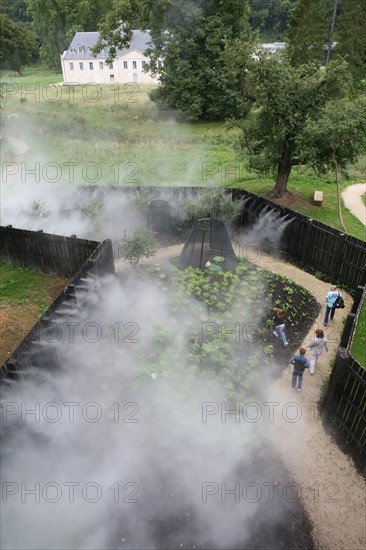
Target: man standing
x,y
330,298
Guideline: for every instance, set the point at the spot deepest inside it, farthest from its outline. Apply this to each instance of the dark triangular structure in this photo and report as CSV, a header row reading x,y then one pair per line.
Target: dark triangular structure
x,y
159,218
208,238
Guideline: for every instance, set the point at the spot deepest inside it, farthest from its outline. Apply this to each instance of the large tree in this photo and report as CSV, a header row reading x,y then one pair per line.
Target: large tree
x,y
336,139
190,36
288,99
56,21
17,44
270,18
16,10
307,31
316,25
350,35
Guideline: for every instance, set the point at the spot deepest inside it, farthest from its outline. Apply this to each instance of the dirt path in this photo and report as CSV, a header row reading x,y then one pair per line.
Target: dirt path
x,y
352,197
333,491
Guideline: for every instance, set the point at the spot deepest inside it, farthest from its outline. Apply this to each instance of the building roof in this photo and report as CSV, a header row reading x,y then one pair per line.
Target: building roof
x,y
274,46
140,41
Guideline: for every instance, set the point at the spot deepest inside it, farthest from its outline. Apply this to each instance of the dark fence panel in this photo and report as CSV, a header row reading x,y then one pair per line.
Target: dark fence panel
x,y
345,404
318,246
100,262
50,253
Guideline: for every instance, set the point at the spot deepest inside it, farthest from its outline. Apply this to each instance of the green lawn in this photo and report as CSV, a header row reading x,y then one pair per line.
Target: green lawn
x,y
23,286
113,134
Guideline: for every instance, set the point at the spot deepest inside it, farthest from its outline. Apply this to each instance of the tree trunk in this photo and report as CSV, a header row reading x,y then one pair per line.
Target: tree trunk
x,y
331,33
339,198
283,172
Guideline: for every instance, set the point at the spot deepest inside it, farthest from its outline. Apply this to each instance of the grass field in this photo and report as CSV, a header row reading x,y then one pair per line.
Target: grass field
x,y
113,134
25,294
22,285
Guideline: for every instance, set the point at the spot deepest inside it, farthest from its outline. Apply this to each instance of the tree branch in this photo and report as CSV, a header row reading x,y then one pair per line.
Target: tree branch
x,y
244,88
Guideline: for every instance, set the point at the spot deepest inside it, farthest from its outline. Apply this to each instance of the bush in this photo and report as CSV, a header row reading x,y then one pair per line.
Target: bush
x,y
212,203
141,243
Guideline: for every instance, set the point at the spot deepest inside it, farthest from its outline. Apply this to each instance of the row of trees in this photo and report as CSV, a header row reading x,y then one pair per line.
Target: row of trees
x,y
213,70
306,24
53,24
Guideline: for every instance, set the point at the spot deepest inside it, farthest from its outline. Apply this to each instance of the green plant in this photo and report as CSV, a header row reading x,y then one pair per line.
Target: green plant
x,y
94,209
38,210
141,243
320,275
214,203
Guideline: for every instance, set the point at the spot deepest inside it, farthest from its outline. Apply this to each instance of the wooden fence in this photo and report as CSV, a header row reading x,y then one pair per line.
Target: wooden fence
x,y
99,262
345,403
319,247
340,257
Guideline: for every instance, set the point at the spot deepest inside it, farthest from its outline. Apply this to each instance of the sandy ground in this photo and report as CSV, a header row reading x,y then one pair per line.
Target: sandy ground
x,y
333,491
352,197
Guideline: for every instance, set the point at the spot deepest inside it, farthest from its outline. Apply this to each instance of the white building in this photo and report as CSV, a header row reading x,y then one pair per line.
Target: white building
x,y
79,66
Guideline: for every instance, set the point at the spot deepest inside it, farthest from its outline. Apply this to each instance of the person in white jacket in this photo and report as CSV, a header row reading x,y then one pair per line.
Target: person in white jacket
x,y
317,347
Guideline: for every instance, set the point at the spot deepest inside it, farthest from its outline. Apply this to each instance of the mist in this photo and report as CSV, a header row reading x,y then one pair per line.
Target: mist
x,y
127,454
105,447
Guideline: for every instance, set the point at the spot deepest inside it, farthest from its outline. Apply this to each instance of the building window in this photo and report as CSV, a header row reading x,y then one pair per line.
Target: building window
x,y
111,78
81,65
91,66
134,64
143,64
71,66
125,64
110,65
101,65
81,49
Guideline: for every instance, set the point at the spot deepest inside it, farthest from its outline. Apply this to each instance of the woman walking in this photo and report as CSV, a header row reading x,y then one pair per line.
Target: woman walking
x,y
317,347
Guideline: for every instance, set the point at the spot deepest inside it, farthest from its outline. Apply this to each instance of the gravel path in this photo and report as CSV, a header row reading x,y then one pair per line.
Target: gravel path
x,y
352,197
333,491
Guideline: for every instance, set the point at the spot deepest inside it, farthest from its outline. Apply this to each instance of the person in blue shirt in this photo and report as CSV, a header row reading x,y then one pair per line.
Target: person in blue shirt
x,y
300,364
330,298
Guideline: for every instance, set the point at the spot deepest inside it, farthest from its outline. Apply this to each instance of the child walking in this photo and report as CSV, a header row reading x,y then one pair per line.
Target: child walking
x,y
280,326
317,346
300,364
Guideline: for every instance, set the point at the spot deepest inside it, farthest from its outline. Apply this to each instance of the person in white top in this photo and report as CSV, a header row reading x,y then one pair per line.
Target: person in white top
x,y
317,347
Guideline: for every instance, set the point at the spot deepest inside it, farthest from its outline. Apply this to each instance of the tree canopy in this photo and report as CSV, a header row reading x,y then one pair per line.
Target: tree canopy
x,y
270,18
17,44
291,102
191,37
308,31
314,25
350,35
56,21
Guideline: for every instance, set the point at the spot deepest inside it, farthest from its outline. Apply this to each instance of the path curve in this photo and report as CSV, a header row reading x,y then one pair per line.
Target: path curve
x,y
332,489
352,197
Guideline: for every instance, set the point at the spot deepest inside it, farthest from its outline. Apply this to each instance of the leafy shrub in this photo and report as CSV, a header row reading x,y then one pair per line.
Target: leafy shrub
x,y
141,243
214,203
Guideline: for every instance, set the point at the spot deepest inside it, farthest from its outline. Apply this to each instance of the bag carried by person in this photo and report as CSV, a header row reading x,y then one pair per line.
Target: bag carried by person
x,y
339,303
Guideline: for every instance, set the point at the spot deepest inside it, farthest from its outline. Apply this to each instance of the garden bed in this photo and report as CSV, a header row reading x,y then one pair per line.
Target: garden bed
x,y
221,333
229,320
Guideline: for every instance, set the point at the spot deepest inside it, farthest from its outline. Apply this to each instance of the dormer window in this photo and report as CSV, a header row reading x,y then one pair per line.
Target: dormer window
x,y
81,49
